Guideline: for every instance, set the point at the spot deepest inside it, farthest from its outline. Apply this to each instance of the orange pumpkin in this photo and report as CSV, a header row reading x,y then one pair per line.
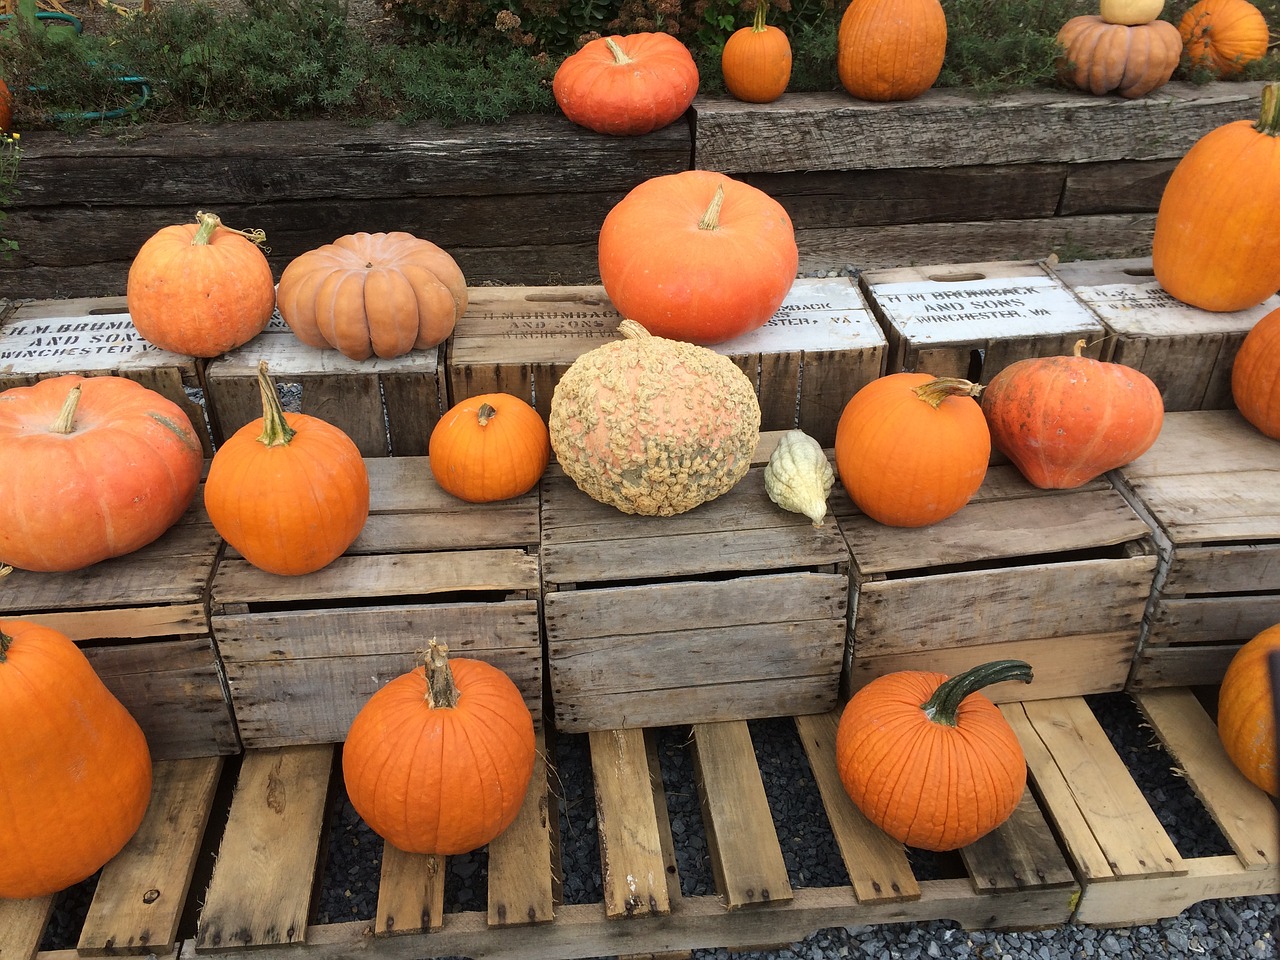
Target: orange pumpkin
x,y
491,447
1224,36
1130,60
756,60
373,293
438,761
201,289
912,449
6,107
1246,713
1216,245
627,85
891,49
75,765
290,492
1255,376
90,468
930,760
697,256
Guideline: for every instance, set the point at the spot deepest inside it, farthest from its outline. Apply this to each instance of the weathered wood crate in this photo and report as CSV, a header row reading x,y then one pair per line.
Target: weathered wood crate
x,y
1057,578
731,611
304,653
805,363
1208,489
1187,352
972,320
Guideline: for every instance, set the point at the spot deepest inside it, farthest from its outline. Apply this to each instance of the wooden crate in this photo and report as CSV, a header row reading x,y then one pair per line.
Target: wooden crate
x,y
731,611
806,362
1057,578
95,337
1187,352
304,653
1207,488
142,620
972,320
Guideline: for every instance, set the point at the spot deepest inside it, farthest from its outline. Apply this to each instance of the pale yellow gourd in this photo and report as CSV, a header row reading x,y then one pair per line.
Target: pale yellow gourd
x,y
798,476
1130,13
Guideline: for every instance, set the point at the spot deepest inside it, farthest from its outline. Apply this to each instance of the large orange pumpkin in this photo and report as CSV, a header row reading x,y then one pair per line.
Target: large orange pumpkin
x,y
438,761
373,293
490,447
1216,245
1255,376
697,256
891,49
930,760
1224,35
75,765
627,85
756,60
90,468
1130,60
201,289
1246,712
912,449
289,491
6,107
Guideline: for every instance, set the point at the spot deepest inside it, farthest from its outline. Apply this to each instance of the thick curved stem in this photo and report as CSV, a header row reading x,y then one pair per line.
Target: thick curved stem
x,y
66,422
758,25
943,706
711,219
276,431
210,222
442,691
485,414
938,389
1269,117
619,55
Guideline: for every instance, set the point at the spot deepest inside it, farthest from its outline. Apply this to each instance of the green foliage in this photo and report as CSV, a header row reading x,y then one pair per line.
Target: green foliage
x,y
10,155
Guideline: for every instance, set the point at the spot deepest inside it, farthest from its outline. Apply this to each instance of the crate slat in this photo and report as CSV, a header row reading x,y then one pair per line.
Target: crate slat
x,y
521,888
22,924
1021,852
410,892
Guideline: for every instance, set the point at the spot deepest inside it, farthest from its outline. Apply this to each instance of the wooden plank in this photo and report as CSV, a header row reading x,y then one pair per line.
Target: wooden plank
x,y
260,890
1021,852
521,887
1223,568
410,892
1126,186
741,838
1225,504
142,891
1204,620
1190,440
1180,666
22,924
877,864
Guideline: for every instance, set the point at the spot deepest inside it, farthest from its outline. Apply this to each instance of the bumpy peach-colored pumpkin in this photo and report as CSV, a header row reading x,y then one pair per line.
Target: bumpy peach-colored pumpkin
x,y
1103,57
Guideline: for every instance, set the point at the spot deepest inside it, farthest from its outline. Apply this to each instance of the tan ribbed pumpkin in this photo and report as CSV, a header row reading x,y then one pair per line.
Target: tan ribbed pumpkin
x,y
654,426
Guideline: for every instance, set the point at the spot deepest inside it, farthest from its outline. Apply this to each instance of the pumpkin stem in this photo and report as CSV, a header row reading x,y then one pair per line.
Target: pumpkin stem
x,y
485,414
66,422
5,639
442,691
209,222
758,25
1269,118
633,330
1078,349
943,706
939,388
276,431
711,219
619,55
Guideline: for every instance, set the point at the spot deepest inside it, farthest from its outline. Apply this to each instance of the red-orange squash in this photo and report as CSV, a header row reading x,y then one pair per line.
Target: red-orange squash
x,y
697,256
489,447
930,760
201,289
1216,245
75,766
438,761
912,449
1246,712
756,60
368,294
891,49
1224,35
6,107
1104,58
627,85
1255,376
90,468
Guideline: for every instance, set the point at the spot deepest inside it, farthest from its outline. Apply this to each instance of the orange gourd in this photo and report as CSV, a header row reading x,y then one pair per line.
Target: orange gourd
x,y
1130,60
490,447
1246,714
756,60
891,49
627,85
697,256
438,761
368,294
1224,36
75,765
1255,376
912,449
1216,245
6,107
930,760
90,468
201,289
289,491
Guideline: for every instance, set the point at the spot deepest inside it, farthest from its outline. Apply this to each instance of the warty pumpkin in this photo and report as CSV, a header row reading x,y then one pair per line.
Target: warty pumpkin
x,y
654,426
368,294
1216,245
930,760
489,447
756,60
697,256
1224,36
1246,713
890,49
289,491
1103,57
75,766
201,289
438,761
627,85
1255,376
91,468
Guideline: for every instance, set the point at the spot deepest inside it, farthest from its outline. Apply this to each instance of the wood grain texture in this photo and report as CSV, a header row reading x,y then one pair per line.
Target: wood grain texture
x,y
410,892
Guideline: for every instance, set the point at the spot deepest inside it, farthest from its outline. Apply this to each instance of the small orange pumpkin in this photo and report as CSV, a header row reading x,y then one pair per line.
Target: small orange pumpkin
x,y
1131,60
756,60
1255,376
1224,35
490,447
6,107
1246,714
891,49
201,289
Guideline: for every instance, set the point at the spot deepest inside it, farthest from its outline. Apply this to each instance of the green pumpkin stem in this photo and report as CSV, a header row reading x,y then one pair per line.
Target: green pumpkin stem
x,y
939,388
209,222
276,431
758,25
485,414
943,706
619,55
1269,118
711,219
66,422
442,691
5,639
